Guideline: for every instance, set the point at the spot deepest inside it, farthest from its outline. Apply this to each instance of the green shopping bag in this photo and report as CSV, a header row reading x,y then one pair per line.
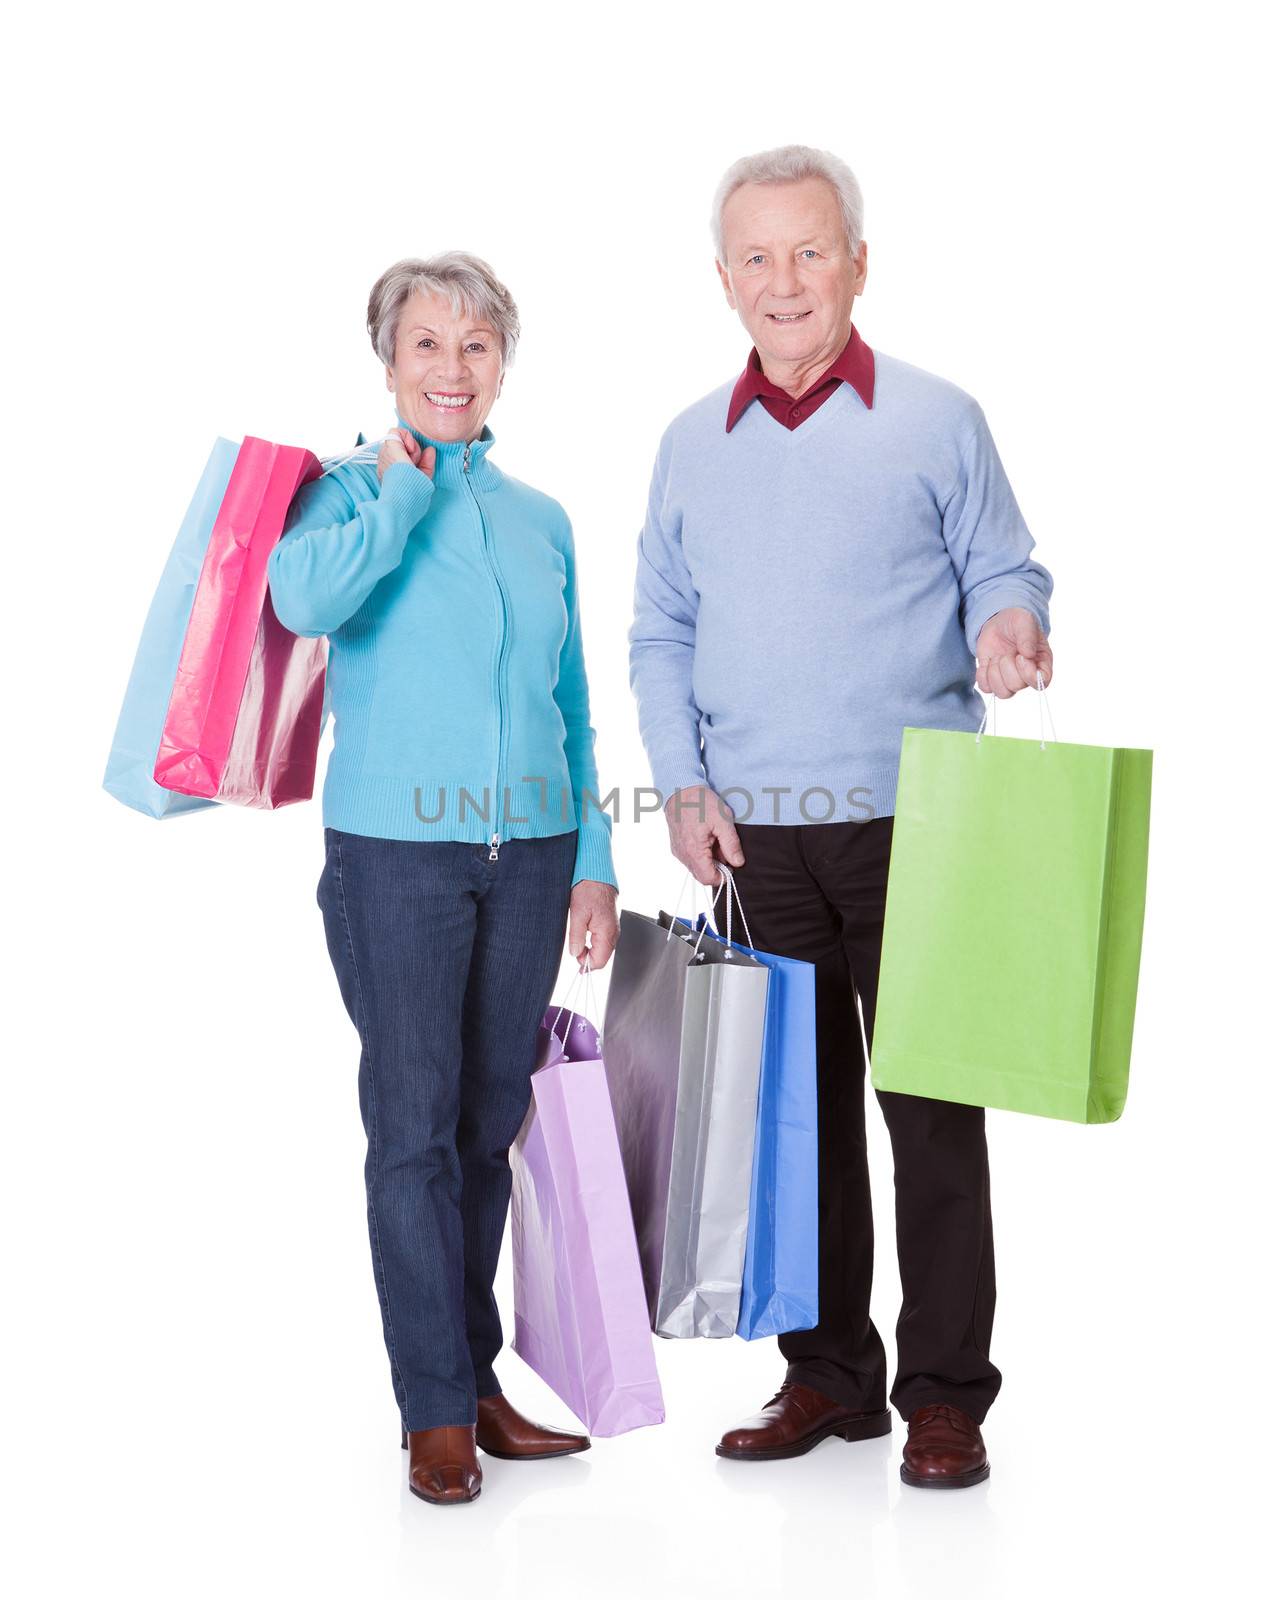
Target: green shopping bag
x,y
1014,914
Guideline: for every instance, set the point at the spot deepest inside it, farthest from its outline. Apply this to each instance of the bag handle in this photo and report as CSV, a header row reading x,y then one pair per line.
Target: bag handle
x,y
732,900
367,449
681,893
581,979
727,881
1043,704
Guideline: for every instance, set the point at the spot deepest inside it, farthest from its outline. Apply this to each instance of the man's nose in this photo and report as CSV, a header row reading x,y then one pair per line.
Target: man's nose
x,y
785,281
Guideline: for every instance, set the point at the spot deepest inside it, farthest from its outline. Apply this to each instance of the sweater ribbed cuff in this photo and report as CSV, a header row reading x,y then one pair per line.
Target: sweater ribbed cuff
x,y
1003,601
671,776
407,490
594,859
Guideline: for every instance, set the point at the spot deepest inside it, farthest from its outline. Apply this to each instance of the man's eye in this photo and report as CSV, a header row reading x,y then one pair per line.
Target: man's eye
x,y
753,259
810,252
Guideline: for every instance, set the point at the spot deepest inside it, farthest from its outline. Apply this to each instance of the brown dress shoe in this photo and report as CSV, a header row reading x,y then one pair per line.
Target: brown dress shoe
x,y
945,1449
794,1422
443,1465
502,1431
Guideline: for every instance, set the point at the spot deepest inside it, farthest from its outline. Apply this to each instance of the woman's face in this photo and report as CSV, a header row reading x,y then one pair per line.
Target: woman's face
x,y
446,373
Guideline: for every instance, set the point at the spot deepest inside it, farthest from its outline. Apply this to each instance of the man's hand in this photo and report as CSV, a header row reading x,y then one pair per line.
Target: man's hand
x,y
702,832
1011,650
403,446
593,910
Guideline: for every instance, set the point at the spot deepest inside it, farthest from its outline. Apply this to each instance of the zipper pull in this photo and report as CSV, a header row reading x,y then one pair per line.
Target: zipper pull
x,y
494,847
467,456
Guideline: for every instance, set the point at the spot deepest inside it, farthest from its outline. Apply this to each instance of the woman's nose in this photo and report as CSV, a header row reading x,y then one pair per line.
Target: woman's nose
x,y
453,366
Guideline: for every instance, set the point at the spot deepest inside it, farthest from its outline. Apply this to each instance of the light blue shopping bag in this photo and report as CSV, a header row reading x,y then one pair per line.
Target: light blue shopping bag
x,y
142,716
781,1263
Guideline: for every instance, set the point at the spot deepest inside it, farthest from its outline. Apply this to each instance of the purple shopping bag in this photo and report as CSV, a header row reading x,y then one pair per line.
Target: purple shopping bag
x,y
581,1316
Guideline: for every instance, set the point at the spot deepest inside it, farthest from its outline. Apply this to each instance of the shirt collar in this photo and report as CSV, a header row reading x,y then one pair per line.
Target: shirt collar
x,y
855,366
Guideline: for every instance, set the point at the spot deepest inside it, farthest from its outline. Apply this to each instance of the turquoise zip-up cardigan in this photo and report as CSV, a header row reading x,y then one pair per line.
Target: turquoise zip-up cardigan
x,y
456,674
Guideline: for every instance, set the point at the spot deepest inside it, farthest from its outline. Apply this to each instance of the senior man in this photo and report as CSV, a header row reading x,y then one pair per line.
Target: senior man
x,y
831,548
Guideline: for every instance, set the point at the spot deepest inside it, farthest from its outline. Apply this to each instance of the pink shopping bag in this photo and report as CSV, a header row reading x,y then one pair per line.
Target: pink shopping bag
x,y
581,1316
244,718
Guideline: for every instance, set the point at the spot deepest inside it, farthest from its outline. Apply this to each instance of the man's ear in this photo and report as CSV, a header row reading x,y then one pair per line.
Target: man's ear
x,y
726,285
861,263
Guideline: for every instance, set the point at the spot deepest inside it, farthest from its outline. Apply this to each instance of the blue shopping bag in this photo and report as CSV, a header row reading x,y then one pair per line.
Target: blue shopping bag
x,y
142,716
781,1263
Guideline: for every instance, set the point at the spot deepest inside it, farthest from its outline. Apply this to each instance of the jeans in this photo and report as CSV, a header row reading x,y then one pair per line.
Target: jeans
x,y
817,892
446,962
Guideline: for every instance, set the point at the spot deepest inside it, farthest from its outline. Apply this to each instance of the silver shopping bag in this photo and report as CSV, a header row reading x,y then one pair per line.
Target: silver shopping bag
x,y
682,1041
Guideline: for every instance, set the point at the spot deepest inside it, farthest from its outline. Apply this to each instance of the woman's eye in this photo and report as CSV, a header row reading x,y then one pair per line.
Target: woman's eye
x,y
425,343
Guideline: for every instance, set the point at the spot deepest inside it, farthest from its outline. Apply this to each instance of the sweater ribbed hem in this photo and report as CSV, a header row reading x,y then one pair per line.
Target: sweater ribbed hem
x,y
425,808
377,808
408,808
817,797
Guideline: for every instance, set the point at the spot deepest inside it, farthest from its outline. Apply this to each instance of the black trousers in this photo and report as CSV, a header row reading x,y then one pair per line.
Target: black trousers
x,y
817,892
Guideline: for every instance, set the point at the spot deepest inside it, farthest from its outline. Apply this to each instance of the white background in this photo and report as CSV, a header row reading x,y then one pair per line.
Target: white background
x,y
1071,213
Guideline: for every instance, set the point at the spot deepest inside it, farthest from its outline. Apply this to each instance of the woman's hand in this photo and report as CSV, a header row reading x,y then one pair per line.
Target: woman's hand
x,y
403,446
592,910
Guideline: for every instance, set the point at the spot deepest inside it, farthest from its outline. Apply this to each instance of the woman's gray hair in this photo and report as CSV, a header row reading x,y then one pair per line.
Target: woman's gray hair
x,y
789,164
467,282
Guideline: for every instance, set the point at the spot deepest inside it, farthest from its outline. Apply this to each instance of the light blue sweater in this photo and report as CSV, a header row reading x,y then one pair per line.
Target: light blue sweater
x,y
803,596
456,673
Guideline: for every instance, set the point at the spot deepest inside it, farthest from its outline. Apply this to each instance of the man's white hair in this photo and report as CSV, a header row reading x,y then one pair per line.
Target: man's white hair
x,y
789,164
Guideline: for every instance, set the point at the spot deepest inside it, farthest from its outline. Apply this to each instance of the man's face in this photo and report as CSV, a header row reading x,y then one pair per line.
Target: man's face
x,y
788,271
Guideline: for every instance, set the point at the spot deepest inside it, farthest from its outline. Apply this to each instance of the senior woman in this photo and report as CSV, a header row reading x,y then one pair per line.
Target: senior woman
x,y
460,827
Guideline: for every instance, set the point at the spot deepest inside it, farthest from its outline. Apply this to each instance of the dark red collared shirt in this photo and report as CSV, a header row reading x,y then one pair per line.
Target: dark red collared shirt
x,y
854,366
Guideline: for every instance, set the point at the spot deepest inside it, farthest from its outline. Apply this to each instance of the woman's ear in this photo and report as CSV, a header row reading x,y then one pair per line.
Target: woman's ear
x,y
391,381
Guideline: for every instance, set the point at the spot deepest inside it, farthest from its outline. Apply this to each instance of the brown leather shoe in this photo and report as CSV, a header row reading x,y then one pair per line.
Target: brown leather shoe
x,y
945,1449
502,1431
443,1465
794,1421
